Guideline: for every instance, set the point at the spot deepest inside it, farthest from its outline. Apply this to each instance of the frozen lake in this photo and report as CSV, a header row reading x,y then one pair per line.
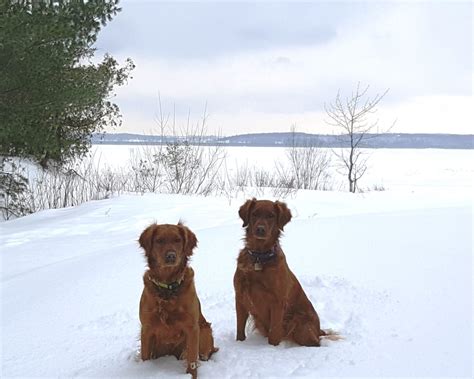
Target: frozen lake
x,y
387,168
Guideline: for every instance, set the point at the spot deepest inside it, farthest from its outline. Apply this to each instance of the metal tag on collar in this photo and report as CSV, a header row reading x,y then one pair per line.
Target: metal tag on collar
x,y
257,266
173,286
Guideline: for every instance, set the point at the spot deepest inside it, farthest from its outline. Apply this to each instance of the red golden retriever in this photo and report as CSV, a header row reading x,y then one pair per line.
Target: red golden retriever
x,y
170,311
265,287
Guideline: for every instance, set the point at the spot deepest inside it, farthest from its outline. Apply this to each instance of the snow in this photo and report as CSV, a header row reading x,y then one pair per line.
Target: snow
x,y
390,168
391,271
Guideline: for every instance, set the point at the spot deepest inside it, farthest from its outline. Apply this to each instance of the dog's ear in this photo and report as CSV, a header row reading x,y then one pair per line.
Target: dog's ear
x,y
146,242
283,214
190,240
146,238
244,211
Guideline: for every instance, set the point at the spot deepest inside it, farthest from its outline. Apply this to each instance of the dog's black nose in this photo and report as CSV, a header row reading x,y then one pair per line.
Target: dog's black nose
x,y
170,257
260,231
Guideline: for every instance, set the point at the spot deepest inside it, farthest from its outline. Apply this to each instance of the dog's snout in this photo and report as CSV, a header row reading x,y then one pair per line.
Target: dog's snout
x,y
170,257
260,230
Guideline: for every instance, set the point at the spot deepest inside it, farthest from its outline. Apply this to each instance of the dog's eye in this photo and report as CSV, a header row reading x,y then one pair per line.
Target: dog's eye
x,y
160,240
177,240
270,215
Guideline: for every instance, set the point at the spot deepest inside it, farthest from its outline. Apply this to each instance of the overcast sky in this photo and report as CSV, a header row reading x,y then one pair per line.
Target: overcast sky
x,y
264,66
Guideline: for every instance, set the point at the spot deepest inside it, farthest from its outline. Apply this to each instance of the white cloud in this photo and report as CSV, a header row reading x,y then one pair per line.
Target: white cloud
x,y
432,114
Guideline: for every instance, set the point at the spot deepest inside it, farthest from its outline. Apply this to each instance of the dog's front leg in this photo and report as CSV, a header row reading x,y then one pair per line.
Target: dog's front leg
x,y
147,343
275,334
192,348
242,316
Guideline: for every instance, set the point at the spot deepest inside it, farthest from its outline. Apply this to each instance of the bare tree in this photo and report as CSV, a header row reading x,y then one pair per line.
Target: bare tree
x,y
184,161
354,117
309,164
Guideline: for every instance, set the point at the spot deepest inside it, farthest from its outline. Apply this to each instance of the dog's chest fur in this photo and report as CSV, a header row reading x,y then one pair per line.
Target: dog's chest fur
x,y
169,312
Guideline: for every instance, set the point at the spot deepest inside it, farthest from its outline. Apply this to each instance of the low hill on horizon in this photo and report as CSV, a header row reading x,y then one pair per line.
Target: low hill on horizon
x,y
285,139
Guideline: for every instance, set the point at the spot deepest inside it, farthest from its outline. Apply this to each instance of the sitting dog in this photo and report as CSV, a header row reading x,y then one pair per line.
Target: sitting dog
x,y
265,287
170,312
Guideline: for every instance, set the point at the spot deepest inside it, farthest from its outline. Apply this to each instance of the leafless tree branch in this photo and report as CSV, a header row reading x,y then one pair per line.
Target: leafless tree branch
x,y
354,118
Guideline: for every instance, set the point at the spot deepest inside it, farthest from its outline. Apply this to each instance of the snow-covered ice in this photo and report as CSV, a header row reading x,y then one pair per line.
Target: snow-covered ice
x,y
391,271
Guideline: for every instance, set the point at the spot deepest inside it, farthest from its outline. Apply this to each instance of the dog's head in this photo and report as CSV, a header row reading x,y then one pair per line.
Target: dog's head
x,y
167,245
264,219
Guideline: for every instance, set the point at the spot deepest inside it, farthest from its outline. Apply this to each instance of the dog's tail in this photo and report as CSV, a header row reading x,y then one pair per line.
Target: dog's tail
x,y
329,334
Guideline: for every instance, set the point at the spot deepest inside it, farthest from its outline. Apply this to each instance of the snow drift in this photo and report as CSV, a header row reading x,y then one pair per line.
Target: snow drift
x,y
391,271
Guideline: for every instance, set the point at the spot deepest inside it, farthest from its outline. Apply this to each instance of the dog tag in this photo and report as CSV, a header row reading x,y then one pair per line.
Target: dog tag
x,y
257,266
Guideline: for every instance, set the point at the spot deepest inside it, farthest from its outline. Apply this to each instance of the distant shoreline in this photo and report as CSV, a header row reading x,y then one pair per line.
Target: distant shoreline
x,y
382,141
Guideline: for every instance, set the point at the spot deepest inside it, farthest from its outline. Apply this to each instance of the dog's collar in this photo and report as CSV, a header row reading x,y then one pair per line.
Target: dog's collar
x,y
260,258
167,289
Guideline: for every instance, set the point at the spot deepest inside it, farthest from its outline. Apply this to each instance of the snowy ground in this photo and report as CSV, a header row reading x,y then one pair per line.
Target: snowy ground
x,y
391,271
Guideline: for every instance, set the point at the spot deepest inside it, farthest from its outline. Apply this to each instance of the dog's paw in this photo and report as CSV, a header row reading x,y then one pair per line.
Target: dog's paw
x,y
275,341
206,356
192,369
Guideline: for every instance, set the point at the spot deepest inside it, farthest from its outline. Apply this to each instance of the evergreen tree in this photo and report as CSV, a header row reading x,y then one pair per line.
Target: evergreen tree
x,y
52,95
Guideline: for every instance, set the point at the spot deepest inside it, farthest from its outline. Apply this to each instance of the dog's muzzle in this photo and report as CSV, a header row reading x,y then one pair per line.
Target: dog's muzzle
x,y
170,257
260,231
